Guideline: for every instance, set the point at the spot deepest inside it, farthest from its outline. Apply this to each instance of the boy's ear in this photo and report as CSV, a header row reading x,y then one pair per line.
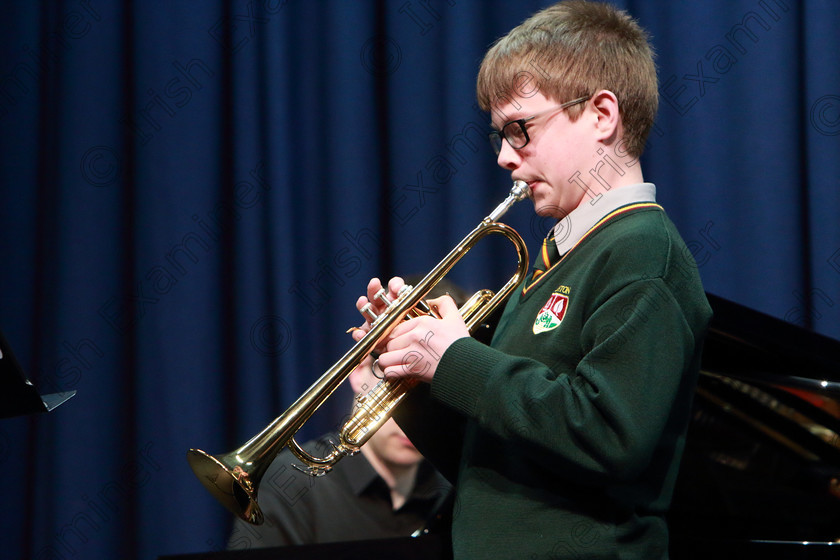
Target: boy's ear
x,y
608,118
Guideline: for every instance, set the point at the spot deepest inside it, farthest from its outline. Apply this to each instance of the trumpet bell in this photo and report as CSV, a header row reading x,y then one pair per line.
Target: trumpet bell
x,y
230,485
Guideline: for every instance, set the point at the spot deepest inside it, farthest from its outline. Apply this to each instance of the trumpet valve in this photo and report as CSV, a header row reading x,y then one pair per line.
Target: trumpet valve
x,y
382,295
368,312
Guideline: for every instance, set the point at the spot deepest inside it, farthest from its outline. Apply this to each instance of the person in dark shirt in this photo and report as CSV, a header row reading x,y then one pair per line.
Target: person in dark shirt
x,y
387,490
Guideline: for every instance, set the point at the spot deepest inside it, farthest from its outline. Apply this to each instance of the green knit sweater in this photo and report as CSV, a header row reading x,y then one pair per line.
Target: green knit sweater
x,y
564,436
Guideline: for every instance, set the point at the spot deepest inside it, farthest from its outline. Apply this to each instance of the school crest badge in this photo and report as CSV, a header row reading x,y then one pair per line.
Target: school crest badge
x,y
551,314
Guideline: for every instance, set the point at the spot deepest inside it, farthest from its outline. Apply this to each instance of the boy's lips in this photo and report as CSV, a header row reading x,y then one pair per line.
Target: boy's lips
x,y
530,182
532,185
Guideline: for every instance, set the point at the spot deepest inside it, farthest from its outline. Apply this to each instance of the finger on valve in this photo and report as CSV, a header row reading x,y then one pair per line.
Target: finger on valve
x,y
375,303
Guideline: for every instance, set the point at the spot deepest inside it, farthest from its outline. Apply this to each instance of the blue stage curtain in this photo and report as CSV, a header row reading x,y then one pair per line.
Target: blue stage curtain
x,y
194,194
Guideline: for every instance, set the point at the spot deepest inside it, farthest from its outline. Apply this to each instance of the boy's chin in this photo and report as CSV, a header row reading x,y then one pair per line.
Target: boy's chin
x,y
545,210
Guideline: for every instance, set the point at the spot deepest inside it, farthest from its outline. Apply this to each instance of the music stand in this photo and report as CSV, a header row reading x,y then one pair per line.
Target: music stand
x,y
17,394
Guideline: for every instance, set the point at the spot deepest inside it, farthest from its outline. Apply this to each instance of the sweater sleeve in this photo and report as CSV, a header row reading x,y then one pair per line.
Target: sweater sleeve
x,y
434,429
602,418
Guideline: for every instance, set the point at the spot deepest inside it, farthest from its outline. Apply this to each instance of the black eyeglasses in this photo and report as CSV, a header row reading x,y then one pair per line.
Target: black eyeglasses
x,y
515,132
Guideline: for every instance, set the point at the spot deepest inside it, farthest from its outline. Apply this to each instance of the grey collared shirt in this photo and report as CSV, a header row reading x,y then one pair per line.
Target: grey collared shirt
x,y
570,230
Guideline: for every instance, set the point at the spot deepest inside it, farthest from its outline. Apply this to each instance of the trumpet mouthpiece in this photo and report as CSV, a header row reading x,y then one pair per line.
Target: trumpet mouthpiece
x,y
520,190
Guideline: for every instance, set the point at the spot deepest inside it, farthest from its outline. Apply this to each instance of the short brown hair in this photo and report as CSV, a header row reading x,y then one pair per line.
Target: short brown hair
x,y
570,50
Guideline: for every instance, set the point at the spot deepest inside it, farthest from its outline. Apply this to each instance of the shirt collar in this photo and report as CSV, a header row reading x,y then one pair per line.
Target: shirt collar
x,y
360,473
568,231
362,477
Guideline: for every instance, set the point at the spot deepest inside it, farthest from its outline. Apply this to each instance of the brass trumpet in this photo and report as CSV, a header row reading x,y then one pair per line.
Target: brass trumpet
x,y
234,478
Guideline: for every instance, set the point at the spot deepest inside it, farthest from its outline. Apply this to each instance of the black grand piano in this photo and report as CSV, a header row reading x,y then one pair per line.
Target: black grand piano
x,y
760,477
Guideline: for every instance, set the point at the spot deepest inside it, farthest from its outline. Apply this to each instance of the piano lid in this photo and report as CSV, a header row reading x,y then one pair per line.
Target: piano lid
x,y
746,343
762,459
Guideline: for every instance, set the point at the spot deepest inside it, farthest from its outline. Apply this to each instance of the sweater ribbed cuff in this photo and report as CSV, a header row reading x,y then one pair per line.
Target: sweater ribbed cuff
x,y
462,374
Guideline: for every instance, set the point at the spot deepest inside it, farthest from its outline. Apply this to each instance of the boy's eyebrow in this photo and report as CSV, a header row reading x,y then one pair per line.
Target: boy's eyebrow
x,y
515,116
